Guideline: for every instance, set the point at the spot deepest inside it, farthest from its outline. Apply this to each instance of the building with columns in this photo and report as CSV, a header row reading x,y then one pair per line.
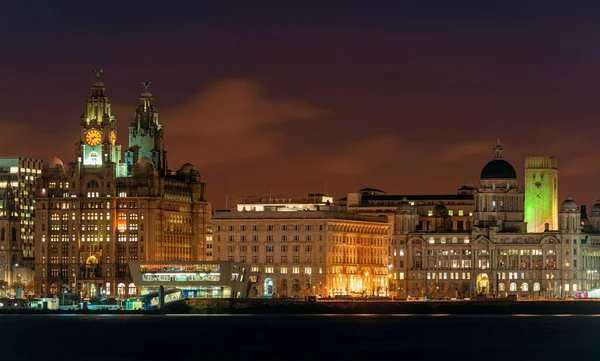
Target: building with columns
x,y
97,213
306,247
497,256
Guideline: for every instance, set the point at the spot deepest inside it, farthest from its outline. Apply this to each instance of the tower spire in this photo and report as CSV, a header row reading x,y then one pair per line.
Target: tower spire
x,y
498,151
146,97
98,87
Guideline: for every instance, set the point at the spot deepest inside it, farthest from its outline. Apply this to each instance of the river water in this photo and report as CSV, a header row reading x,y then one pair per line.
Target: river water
x,y
298,337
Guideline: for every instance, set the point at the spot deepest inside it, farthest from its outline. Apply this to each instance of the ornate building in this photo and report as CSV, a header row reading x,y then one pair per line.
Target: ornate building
x,y
96,214
497,256
303,247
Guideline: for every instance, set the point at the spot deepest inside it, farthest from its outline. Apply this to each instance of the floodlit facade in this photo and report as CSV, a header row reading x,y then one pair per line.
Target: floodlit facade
x,y
324,252
97,213
498,256
541,193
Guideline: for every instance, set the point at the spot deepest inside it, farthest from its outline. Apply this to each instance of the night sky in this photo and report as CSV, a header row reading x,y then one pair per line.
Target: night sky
x,y
408,98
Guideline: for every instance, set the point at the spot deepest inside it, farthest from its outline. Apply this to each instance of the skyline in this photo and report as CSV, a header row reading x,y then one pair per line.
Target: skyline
x,y
351,97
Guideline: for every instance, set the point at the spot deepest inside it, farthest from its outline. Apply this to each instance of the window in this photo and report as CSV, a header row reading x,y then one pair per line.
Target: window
x,y
460,212
295,270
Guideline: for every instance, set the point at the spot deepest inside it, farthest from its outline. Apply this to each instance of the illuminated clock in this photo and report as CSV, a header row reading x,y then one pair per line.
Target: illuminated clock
x,y
113,137
93,137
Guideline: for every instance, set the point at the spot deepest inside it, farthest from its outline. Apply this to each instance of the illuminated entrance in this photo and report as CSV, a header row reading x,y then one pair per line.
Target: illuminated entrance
x,y
483,283
268,289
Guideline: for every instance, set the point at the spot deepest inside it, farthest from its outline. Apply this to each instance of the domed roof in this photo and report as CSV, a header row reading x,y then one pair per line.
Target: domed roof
x,y
144,161
405,205
569,205
440,210
596,207
498,168
187,168
55,162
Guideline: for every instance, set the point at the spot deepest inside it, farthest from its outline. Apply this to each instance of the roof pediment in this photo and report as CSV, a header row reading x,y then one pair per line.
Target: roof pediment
x,y
483,240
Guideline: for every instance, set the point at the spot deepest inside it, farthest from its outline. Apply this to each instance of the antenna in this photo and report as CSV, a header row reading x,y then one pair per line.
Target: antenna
x,y
226,201
498,141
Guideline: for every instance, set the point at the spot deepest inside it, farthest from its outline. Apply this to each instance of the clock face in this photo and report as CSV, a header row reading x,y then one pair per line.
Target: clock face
x,y
93,137
113,137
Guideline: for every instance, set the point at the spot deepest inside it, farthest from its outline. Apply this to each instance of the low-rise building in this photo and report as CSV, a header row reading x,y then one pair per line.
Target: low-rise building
x,y
195,279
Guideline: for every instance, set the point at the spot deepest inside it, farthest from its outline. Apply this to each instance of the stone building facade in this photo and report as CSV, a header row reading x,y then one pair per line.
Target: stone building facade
x,y
96,214
498,256
322,252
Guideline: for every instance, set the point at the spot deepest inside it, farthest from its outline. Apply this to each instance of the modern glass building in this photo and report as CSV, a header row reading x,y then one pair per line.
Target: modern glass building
x,y
20,173
207,279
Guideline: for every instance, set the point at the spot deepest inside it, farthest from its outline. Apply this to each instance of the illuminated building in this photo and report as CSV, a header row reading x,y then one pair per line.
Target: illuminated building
x,y
497,257
541,193
322,251
196,279
96,214
20,173
14,270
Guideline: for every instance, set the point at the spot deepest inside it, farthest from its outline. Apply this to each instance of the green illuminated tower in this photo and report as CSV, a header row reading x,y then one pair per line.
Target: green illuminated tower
x,y
541,193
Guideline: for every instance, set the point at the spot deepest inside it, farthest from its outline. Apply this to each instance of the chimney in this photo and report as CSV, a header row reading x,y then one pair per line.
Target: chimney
x,y
546,227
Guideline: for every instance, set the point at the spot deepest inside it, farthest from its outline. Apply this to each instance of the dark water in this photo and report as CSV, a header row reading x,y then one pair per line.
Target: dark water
x,y
301,337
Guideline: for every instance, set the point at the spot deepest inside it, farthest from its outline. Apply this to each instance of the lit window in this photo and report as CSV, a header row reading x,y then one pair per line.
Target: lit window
x,y
122,223
283,270
430,213
460,212
450,212
401,251
295,270
307,270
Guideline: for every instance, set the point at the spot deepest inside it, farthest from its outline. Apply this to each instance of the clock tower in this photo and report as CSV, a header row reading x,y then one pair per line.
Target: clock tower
x,y
98,139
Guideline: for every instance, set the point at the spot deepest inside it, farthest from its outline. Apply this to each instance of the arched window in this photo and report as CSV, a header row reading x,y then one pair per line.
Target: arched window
x,y
524,287
53,290
513,287
536,287
2,234
501,287
121,289
132,290
93,184
268,287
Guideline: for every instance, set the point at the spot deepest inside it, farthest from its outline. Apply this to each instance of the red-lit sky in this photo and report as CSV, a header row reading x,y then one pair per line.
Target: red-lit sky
x,y
407,98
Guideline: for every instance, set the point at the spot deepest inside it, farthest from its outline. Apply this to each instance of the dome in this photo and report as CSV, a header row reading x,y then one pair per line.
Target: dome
x,y
144,162
596,208
498,169
405,205
569,205
187,168
440,210
55,162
